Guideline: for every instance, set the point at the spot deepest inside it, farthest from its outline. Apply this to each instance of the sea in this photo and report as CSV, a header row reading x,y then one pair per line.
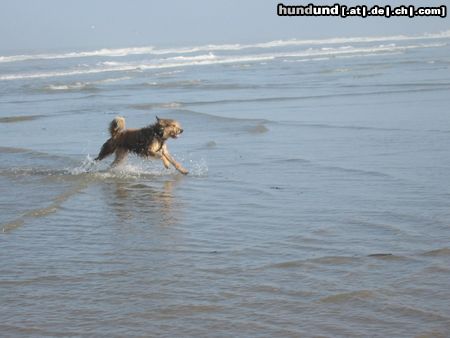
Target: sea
x,y
317,202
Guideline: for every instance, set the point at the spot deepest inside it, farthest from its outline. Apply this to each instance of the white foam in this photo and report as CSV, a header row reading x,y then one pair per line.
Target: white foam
x,y
209,56
80,85
74,86
66,73
203,60
115,79
122,67
101,52
295,42
135,168
352,50
120,52
102,170
109,63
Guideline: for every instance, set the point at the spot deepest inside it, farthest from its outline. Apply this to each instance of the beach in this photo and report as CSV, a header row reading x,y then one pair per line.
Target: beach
x,y
316,204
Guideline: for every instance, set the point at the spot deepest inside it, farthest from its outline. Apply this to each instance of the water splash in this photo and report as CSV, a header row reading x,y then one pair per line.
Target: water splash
x,y
88,165
198,168
135,168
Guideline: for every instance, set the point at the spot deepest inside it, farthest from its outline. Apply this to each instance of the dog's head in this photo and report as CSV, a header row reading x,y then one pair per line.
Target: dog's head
x,y
168,128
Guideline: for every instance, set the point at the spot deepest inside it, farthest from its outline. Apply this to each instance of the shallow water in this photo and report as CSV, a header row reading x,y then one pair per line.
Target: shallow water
x,y
317,202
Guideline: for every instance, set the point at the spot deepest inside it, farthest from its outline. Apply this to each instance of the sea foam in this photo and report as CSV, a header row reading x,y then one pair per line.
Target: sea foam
x,y
121,52
212,59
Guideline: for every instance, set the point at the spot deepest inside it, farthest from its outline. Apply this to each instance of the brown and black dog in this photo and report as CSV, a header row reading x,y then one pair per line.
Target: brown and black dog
x,y
149,141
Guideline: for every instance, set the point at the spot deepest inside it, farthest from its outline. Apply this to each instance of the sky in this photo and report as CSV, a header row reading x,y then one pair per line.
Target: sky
x,y
42,25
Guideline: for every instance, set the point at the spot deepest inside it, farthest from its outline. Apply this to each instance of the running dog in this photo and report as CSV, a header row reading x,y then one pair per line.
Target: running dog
x,y
149,141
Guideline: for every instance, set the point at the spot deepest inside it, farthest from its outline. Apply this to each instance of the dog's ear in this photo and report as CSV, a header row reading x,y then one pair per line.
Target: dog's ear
x,y
157,118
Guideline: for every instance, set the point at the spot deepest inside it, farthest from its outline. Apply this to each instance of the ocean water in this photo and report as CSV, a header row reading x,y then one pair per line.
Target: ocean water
x,y
317,203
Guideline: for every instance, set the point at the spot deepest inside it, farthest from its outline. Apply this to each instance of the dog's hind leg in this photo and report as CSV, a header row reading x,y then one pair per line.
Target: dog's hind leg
x,y
121,155
107,149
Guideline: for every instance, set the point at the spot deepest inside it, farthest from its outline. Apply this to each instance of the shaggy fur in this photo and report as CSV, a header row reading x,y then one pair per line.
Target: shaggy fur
x,y
147,142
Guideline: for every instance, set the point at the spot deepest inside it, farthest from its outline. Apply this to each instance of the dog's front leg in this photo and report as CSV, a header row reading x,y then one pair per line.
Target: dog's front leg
x,y
165,161
159,155
167,157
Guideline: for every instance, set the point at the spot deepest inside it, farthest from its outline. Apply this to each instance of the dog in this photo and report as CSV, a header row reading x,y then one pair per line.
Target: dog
x,y
149,141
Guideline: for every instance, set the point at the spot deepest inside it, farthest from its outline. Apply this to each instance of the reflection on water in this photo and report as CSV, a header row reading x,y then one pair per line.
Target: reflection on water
x,y
142,201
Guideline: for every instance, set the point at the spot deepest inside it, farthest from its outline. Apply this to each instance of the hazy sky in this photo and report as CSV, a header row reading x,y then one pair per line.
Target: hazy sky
x,y
62,24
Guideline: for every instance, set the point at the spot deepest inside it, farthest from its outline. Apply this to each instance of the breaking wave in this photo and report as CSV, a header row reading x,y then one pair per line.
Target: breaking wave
x,y
212,59
120,52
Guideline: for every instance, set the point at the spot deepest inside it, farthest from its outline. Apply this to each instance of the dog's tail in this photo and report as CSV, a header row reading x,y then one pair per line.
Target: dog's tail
x,y
116,126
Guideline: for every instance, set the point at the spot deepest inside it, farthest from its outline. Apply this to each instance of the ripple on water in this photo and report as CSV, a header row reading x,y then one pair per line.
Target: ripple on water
x,y
344,297
327,260
443,252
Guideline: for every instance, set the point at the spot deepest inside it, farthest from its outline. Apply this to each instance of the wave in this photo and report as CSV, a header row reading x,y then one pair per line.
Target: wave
x,y
209,56
326,260
295,42
19,118
120,52
12,150
63,73
150,106
211,59
258,129
180,113
132,67
388,257
438,252
100,52
344,297
350,50
77,86
90,86
182,104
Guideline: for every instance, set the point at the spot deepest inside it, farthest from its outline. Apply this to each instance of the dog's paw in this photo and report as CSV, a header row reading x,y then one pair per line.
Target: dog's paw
x,y
183,171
